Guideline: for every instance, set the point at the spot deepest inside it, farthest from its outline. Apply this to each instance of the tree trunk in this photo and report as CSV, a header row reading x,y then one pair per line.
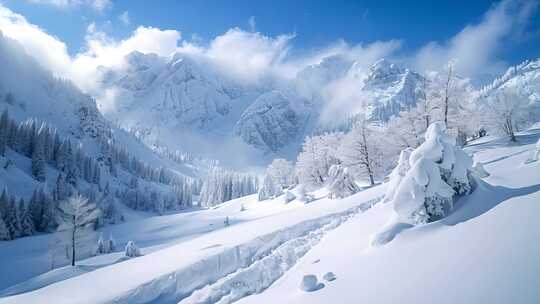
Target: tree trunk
x,y
73,243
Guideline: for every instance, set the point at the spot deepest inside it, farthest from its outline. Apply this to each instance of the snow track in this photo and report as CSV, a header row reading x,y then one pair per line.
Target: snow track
x,y
241,270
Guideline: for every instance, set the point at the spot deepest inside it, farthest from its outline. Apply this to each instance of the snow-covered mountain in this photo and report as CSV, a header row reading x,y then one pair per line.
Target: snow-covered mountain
x,y
184,102
394,88
55,137
273,121
525,78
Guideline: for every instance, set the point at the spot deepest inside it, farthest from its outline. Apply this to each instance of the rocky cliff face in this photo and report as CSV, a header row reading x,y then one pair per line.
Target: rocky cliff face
x,y
273,121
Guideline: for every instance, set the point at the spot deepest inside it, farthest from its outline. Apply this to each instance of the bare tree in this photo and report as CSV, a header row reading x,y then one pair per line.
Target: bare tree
x,y
77,216
447,90
359,150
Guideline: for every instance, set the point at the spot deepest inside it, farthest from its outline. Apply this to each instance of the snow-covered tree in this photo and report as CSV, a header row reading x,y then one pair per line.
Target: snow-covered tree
x,y
359,150
269,189
38,159
340,184
221,185
77,215
4,232
282,171
132,250
397,174
110,244
439,171
404,130
318,154
507,112
4,131
100,246
25,219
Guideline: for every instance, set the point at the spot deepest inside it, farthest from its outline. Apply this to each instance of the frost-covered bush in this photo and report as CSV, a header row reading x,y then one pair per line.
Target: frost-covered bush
x,y
269,189
397,174
340,184
439,172
289,197
132,250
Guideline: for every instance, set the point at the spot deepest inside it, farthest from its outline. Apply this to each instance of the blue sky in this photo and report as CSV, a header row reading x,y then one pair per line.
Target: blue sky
x,y
484,36
316,23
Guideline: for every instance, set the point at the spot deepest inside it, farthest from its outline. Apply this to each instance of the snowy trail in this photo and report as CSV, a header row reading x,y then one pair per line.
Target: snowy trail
x,y
263,271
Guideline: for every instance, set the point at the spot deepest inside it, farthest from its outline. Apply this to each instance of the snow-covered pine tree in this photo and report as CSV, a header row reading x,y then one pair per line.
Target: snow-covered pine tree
x,y
13,219
26,223
96,174
38,159
4,132
4,231
100,246
269,189
111,244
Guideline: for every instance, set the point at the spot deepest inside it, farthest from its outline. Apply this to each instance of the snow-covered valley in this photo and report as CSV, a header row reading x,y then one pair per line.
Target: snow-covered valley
x,y
196,152
483,251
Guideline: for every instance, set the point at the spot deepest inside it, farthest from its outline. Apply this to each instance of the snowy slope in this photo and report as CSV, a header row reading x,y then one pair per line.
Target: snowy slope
x,y
483,252
204,258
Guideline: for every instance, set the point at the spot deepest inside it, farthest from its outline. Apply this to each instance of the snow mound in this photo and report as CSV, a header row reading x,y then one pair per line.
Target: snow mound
x,y
310,283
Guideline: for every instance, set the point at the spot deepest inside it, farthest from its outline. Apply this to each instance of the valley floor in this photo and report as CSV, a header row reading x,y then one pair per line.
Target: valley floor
x,y
486,251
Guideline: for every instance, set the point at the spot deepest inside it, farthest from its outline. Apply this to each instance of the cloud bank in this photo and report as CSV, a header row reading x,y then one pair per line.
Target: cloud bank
x,y
250,56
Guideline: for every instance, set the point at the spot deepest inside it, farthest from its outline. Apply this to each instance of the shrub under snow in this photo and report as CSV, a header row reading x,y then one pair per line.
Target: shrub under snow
x,y
132,250
439,171
340,184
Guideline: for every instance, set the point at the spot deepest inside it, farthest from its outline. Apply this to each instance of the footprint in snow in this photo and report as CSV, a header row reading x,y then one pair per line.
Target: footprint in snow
x,y
329,276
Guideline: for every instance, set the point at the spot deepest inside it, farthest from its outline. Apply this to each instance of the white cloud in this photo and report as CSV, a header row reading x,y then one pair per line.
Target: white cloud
x,y
50,51
102,50
124,18
476,47
248,56
98,5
